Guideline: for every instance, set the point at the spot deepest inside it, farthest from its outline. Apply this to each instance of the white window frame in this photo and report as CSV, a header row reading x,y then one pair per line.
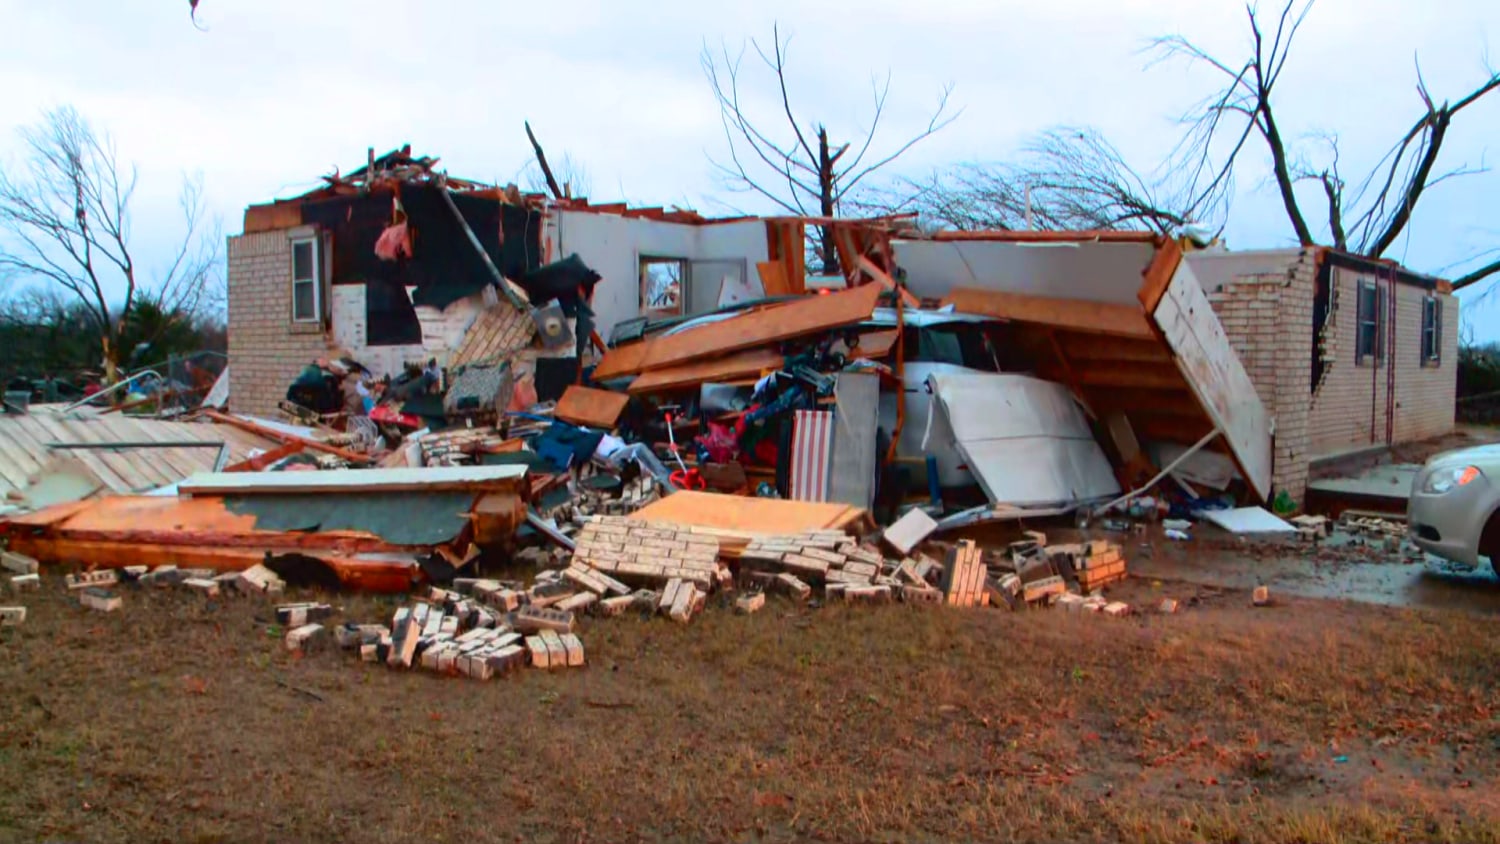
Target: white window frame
x,y
1374,356
1432,307
314,241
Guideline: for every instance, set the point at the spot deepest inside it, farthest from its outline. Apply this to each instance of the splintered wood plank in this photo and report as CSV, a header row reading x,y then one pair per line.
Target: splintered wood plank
x,y
749,329
773,278
1070,314
741,365
588,406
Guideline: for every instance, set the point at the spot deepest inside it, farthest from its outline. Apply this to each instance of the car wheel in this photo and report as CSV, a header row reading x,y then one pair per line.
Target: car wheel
x,y
1489,541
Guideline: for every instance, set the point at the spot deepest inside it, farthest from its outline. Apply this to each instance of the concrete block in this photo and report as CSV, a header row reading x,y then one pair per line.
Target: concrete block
x,y
685,603
18,563
578,602
573,647
615,606
921,593
86,579
751,603
102,600
296,615
404,643
540,656
304,637
534,619
206,588
793,586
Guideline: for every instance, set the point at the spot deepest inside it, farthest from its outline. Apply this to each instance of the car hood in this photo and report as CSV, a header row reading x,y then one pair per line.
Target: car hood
x,y
1486,457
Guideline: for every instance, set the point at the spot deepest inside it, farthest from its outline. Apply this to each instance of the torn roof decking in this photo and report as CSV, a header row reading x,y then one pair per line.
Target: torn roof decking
x,y
1163,360
753,328
25,455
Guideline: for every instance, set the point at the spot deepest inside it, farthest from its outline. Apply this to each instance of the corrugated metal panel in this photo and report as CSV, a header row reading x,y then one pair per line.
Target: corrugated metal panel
x,y
25,456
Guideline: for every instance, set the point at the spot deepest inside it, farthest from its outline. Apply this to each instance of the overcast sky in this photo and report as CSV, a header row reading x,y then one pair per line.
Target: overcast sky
x,y
277,92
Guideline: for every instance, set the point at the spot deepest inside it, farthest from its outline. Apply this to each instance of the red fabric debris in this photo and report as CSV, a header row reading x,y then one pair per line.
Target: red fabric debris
x,y
394,242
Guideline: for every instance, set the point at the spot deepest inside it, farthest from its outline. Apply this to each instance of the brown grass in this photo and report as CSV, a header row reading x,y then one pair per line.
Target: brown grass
x,y
166,722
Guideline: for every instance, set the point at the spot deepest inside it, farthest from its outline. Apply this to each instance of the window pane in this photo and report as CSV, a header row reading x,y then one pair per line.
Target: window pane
x,y
302,260
302,301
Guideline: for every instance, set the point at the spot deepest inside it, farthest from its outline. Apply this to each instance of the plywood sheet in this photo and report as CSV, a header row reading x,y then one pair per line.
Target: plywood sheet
x,y
760,327
1215,375
1071,314
748,516
746,364
588,406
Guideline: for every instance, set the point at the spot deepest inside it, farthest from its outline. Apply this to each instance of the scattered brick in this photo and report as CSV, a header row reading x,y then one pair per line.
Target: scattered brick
x,y
102,600
748,604
84,580
12,616
18,563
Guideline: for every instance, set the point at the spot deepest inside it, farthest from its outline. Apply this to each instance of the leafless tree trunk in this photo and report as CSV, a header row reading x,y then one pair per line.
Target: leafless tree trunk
x,y
1367,221
803,177
65,221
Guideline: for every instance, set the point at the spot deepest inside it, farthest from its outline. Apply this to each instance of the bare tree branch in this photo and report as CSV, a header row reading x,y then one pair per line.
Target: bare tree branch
x,y
807,170
65,222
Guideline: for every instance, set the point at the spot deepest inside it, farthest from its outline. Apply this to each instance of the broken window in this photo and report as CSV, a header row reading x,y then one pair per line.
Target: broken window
x,y
1369,339
307,287
663,282
1432,331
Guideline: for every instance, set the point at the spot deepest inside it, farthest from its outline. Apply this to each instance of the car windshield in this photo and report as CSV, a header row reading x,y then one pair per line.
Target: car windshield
x,y
958,343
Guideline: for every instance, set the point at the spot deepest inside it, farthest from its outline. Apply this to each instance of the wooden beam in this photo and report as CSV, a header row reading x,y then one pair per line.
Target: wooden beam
x,y
1068,314
751,362
282,437
746,330
1159,274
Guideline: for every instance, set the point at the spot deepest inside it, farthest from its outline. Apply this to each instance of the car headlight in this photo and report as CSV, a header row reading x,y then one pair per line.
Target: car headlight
x,y
1443,480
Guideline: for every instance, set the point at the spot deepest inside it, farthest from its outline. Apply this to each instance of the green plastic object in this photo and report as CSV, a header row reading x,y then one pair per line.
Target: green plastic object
x,y
1283,505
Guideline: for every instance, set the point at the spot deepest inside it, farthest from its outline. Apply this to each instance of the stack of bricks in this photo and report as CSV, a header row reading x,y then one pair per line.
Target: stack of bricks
x,y
814,556
1093,564
451,634
964,576
636,551
458,447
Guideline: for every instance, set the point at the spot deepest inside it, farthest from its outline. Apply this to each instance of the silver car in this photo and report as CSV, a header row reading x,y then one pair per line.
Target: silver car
x,y
1453,507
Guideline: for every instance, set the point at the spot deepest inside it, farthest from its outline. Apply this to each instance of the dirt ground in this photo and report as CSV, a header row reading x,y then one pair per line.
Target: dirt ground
x,y
1312,720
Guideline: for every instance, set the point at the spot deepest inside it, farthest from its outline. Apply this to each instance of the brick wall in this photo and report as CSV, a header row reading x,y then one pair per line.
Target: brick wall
x,y
1350,406
266,351
1267,317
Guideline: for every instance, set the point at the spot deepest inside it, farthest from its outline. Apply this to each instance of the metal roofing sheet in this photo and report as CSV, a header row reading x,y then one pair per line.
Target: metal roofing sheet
x,y
26,457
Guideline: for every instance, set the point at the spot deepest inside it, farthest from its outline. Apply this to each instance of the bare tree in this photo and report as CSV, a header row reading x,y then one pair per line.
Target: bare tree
x,y
1367,220
801,171
1067,178
65,221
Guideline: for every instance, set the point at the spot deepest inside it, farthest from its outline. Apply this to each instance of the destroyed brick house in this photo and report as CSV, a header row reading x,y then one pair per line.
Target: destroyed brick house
x,y
1313,352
